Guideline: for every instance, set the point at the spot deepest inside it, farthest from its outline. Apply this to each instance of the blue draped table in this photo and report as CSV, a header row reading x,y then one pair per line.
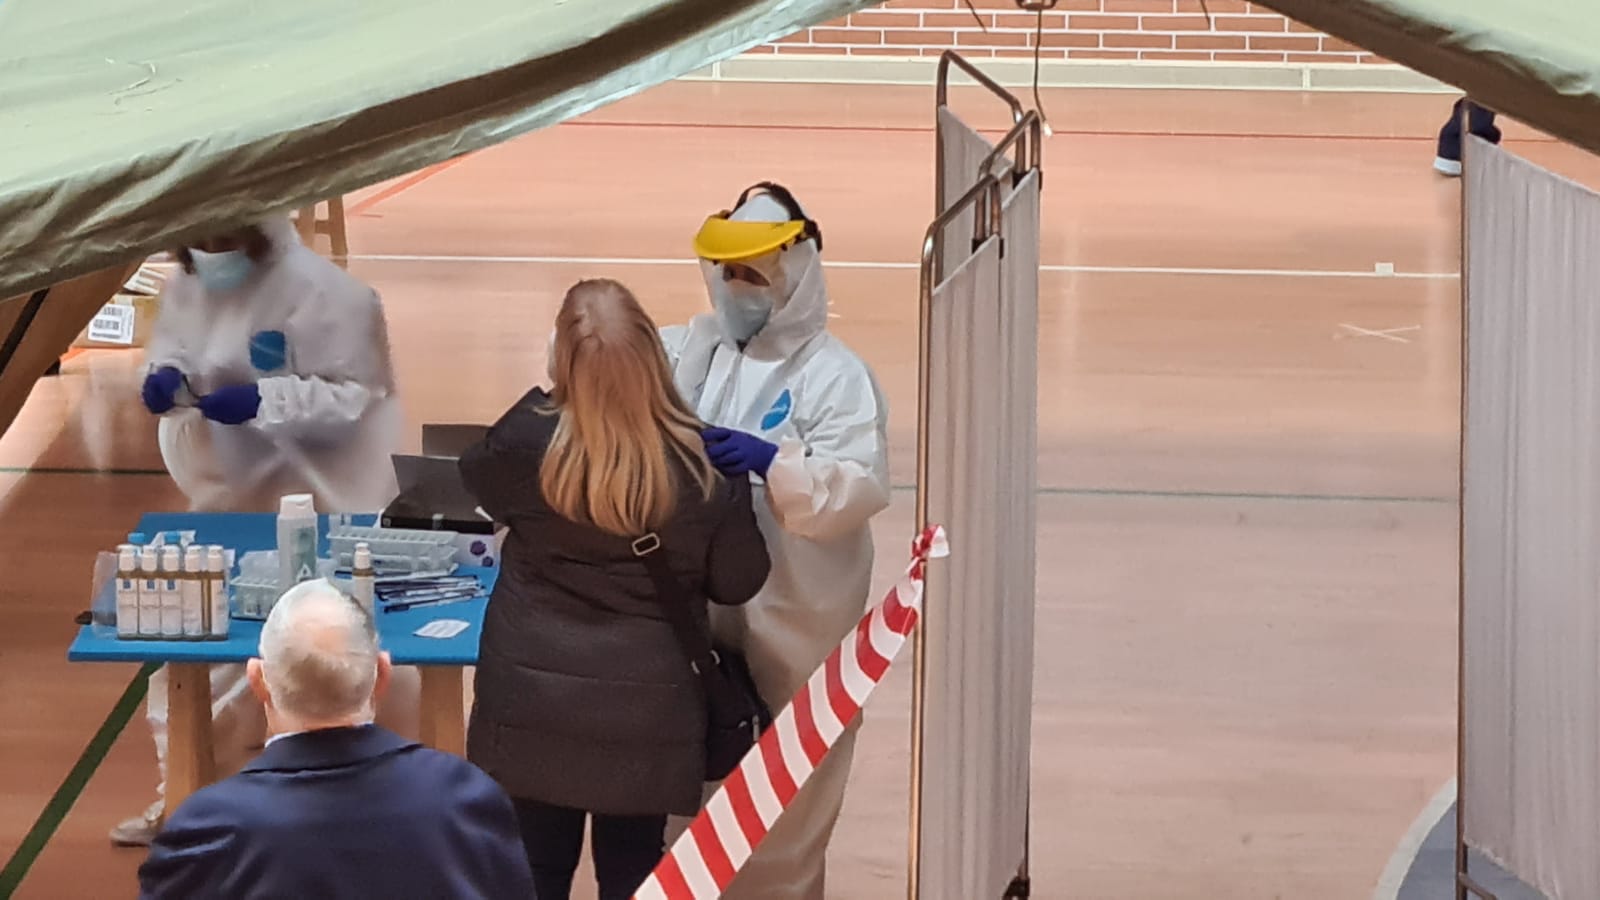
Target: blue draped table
x,y
190,764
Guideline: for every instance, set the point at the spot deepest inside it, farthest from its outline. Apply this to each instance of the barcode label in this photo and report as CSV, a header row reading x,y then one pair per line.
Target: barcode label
x,y
113,324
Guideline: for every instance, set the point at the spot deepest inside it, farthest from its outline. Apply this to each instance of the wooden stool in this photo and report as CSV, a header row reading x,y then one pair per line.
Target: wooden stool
x,y
309,226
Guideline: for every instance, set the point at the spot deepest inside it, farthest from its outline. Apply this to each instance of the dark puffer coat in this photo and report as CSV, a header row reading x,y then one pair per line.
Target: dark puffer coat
x,y
584,697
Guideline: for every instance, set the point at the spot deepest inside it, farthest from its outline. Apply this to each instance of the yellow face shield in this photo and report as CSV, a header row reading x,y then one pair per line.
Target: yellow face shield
x,y
722,240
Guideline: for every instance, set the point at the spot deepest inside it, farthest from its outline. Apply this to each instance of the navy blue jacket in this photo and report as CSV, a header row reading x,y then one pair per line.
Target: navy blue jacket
x,y
342,813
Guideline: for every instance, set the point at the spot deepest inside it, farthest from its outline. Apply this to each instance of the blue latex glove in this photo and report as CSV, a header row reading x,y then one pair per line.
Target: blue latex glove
x,y
232,405
160,390
738,453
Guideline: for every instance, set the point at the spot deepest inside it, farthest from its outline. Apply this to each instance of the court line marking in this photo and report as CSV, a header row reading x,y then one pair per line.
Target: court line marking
x,y
76,470
1044,489
1405,854
848,264
1074,132
72,786
1053,491
857,264
1388,334
396,188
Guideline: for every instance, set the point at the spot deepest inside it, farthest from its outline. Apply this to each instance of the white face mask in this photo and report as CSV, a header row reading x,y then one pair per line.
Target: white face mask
x,y
742,307
222,272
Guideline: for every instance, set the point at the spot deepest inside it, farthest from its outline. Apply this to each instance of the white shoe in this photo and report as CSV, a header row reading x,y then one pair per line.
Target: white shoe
x,y
140,830
1450,167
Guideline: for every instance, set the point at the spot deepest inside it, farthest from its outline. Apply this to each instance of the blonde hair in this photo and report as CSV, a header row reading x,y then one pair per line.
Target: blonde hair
x,y
622,420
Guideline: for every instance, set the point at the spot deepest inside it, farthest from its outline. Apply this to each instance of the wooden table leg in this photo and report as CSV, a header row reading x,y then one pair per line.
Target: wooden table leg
x,y
191,765
306,224
337,235
444,720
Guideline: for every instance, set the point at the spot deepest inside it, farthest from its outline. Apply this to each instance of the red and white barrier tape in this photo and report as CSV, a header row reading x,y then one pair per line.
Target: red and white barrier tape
x,y
702,863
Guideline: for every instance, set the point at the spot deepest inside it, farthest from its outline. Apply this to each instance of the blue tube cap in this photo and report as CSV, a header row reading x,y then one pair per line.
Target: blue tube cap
x,y
138,539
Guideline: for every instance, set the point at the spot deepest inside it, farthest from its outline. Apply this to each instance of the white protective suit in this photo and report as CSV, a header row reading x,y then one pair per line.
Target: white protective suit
x,y
328,422
799,387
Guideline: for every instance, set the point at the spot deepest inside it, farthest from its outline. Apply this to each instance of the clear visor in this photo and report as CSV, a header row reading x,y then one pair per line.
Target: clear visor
x,y
763,271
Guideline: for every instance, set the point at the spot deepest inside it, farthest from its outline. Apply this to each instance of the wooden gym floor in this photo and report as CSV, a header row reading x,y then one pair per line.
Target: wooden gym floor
x,y
1246,629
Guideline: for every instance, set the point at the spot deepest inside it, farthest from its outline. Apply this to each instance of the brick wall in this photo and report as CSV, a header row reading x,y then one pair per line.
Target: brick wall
x,y
1156,30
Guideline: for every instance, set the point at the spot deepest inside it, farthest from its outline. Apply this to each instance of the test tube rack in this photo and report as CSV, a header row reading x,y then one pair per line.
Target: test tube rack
x,y
395,551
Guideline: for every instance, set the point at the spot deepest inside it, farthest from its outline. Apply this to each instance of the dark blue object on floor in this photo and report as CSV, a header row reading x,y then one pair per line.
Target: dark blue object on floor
x,y
1480,122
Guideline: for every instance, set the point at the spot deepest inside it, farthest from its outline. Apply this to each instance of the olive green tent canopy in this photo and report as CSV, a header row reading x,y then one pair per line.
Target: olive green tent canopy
x,y
1537,60
129,125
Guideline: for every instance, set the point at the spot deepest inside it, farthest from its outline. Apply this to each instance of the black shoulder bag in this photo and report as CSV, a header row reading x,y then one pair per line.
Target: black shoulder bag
x,y
736,715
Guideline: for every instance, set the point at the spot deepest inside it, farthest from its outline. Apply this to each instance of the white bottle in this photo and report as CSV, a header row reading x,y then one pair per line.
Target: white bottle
x,y
217,592
192,590
149,593
297,541
171,594
363,581
127,591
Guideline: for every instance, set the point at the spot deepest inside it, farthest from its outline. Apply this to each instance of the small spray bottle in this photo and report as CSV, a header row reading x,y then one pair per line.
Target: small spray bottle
x,y
192,591
216,593
127,592
149,593
363,580
171,595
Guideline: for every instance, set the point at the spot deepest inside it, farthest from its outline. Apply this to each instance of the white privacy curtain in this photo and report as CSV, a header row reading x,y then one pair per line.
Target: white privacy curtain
x,y
962,152
964,707
981,483
1530,790
1018,504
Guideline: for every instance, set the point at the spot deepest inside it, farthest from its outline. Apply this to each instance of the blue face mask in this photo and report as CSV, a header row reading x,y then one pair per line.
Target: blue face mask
x,y
222,272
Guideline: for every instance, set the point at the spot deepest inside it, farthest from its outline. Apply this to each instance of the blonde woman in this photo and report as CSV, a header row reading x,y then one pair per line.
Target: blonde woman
x,y
586,704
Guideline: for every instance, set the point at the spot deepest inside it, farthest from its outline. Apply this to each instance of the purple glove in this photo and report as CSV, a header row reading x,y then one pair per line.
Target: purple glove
x,y
232,405
738,453
160,389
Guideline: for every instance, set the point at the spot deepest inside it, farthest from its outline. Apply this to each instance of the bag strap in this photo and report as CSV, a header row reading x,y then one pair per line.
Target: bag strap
x,y
694,640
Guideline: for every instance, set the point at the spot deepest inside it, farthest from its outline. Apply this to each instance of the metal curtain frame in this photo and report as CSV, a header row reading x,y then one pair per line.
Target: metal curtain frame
x,y
1028,137
1466,886
986,197
942,86
948,59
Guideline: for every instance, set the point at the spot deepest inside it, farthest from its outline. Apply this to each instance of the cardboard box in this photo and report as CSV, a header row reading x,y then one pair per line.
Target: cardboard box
x,y
123,323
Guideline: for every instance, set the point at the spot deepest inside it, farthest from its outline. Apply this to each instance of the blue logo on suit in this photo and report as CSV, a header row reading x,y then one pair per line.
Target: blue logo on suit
x,y
779,411
269,351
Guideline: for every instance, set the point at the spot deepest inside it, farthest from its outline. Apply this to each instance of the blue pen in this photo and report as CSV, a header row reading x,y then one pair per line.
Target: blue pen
x,y
398,586
438,601
422,596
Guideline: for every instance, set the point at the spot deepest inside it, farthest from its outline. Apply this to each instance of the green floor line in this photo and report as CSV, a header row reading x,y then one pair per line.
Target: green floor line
x,y
50,818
